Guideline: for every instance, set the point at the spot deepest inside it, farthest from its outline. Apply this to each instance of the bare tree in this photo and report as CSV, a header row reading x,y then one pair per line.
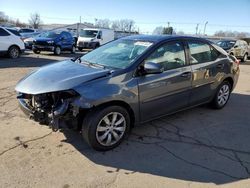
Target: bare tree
x,y
103,23
126,25
35,20
158,30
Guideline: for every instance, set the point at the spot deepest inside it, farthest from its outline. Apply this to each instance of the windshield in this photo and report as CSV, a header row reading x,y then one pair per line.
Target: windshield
x,y
88,33
226,44
49,35
117,54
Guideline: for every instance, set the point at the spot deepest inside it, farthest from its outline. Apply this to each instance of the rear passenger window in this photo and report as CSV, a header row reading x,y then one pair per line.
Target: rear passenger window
x,y
170,56
3,33
201,52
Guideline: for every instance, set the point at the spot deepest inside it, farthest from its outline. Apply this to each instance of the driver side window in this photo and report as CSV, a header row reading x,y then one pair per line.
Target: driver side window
x,y
170,56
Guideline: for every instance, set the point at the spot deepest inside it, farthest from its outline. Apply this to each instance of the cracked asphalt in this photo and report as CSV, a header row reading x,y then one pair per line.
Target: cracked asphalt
x,y
200,147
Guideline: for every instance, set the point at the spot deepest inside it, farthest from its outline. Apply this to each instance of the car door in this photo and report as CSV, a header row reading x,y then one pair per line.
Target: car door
x,y
168,91
206,67
65,43
5,39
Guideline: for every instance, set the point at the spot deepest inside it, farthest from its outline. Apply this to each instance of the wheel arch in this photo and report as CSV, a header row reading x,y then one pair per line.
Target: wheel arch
x,y
231,81
14,45
119,103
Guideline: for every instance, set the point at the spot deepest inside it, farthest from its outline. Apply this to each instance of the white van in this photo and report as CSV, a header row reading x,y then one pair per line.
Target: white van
x,y
94,37
10,42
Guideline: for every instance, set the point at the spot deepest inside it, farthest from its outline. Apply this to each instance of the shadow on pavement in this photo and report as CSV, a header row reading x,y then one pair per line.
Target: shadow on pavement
x,y
201,145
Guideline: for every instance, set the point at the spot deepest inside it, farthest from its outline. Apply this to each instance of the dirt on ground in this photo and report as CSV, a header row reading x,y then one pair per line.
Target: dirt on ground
x,y
195,148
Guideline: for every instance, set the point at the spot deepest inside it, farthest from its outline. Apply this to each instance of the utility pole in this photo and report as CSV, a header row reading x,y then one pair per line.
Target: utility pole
x,y
197,27
205,26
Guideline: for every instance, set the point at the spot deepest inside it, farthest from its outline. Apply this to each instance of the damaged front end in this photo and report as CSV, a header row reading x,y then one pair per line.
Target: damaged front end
x,y
55,109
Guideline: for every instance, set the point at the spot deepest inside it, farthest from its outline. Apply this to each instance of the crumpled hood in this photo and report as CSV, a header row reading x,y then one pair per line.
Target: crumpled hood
x,y
57,77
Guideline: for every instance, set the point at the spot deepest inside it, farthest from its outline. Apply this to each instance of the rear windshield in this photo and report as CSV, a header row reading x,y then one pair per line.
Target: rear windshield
x,y
15,32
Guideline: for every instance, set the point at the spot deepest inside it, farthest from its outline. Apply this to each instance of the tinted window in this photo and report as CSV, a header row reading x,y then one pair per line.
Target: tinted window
x,y
170,56
15,32
3,32
201,52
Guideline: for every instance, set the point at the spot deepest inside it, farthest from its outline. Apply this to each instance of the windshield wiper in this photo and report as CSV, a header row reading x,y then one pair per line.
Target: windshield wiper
x,y
93,64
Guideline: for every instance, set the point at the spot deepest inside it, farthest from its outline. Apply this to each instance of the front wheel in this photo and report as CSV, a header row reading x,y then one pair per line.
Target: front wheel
x,y
222,95
80,49
57,50
106,127
14,52
73,49
244,59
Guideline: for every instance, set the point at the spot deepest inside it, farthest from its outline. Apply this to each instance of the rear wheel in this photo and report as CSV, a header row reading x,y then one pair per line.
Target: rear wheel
x,y
14,52
222,95
73,49
105,128
244,59
57,50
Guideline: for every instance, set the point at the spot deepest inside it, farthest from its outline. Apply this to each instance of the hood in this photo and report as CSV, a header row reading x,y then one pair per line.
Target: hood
x,y
58,76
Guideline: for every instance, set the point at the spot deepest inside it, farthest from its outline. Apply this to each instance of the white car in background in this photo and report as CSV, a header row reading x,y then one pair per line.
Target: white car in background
x,y
94,37
11,42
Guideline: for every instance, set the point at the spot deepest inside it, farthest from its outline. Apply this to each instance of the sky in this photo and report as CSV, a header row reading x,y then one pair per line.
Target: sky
x,y
183,15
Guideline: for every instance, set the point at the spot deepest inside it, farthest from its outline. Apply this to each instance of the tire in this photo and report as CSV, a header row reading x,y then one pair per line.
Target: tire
x,y
36,51
14,52
99,131
245,57
222,95
80,49
97,45
57,50
73,49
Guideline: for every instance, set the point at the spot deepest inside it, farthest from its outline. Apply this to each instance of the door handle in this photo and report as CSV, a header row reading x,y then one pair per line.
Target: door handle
x,y
186,74
220,66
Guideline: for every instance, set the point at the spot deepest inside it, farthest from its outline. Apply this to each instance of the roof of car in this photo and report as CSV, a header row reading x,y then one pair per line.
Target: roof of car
x,y
159,38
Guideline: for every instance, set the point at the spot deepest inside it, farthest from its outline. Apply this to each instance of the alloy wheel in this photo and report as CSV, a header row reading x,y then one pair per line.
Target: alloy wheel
x,y
111,129
14,52
223,95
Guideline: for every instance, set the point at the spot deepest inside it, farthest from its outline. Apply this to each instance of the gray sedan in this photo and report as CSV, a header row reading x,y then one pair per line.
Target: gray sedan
x,y
128,82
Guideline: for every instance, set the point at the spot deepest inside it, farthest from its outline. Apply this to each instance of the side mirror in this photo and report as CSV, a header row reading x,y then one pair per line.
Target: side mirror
x,y
99,37
152,68
62,38
236,46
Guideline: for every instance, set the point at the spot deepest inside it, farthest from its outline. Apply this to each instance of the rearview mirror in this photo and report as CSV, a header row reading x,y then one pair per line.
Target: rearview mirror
x,y
236,46
152,68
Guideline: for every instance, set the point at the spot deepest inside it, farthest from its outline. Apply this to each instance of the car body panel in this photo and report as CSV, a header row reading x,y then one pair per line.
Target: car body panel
x,y
58,77
149,96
